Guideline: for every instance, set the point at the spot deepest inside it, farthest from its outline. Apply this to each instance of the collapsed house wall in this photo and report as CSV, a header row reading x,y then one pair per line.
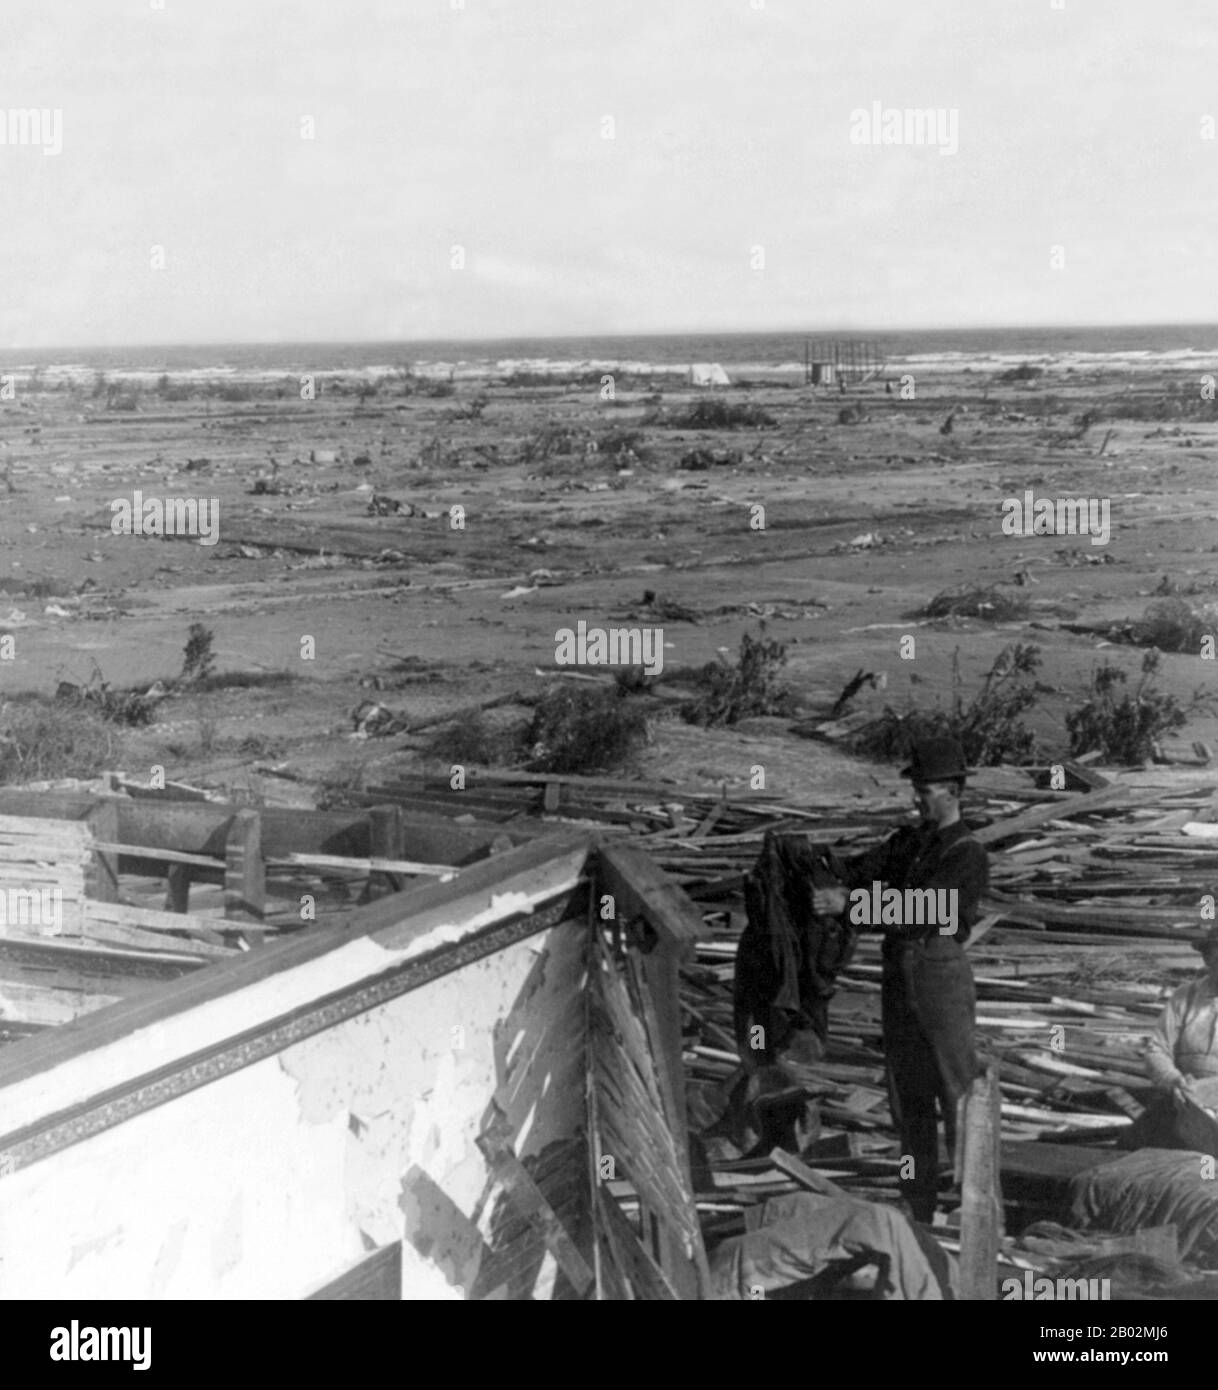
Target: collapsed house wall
x,y
341,1101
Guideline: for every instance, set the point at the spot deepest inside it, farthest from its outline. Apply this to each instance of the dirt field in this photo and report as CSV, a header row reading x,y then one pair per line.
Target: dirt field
x,y
864,524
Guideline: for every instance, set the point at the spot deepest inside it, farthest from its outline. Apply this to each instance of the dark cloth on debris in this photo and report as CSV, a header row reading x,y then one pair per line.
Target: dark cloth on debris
x,y
788,957
1166,1125
928,995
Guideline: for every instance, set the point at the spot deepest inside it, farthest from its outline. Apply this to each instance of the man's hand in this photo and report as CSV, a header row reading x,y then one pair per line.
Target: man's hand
x,y
1182,1093
828,902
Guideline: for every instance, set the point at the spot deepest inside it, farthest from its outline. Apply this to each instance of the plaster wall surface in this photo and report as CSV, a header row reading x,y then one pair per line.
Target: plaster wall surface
x,y
271,1181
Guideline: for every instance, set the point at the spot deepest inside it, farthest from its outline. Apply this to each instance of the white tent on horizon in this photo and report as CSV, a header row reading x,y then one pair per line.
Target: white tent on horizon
x,y
707,374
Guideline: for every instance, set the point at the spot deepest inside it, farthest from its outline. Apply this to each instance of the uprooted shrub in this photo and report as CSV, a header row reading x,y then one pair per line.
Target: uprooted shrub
x,y
198,661
717,414
988,726
1173,625
976,601
1123,724
585,729
480,741
555,439
42,740
751,687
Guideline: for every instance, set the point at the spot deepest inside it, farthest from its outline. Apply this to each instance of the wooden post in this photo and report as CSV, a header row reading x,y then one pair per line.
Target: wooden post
x,y
177,888
384,842
244,871
101,877
977,1168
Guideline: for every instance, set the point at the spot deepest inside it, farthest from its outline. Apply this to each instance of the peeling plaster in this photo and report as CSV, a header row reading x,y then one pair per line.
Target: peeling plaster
x,y
227,1245
93,1247
167,1258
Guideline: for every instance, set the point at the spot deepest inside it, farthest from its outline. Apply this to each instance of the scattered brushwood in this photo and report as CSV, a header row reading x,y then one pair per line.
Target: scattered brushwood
x,y
440,390
585,729
633,680
271,484
243,680
988,727
699,460
524,377
381,504
370,719
198,660
42,740
1178,401
1123,725
851,415
131,707
853,686
664,610
556,440
977,601
623,444
479,740
715,413
436,453
751,687
1172,625
343,786
1024,372
1168,587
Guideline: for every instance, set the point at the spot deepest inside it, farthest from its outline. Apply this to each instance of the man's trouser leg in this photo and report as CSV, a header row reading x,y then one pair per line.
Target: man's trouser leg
x,y
912,1086
929,1022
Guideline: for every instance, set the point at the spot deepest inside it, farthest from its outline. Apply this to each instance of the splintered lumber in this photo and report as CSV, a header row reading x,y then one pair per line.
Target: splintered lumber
x,y
496,1145
45,1005
981,1197
1116,799
202,930
805,1176
169,856
43,865
443,872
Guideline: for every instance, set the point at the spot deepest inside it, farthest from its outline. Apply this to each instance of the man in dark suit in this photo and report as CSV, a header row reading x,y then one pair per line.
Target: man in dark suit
x,y
929,1002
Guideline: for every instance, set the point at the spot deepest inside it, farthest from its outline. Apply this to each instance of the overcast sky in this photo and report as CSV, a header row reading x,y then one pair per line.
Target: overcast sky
x,y
730,196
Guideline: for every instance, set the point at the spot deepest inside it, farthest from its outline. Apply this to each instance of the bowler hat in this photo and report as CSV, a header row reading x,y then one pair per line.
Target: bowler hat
x,y
1207,944
936,760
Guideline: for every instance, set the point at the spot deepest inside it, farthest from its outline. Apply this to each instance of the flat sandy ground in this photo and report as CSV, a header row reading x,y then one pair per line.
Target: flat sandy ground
x,y
585,534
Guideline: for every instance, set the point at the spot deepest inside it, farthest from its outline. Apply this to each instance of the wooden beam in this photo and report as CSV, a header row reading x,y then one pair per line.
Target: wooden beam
x,y
981,1199
496,1145
101,877
385,844
393,868
641,888
1115,798
244,871
177,888
806,1177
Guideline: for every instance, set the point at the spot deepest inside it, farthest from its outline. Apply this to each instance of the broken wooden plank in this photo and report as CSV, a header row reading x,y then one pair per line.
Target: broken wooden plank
x,y
443,872
981,1198
496,1144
